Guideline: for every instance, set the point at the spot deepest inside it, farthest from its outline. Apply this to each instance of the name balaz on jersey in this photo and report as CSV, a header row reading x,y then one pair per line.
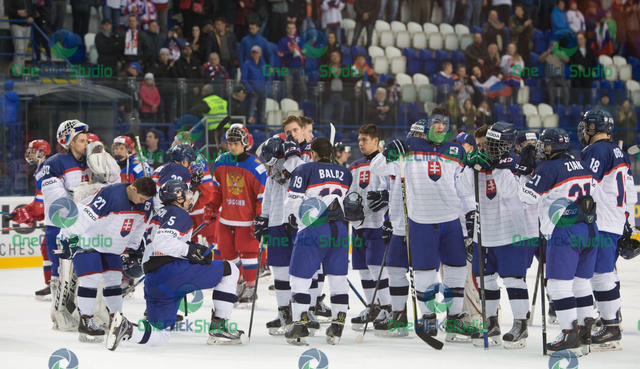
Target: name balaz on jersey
x,y
611,169
168,233
60,174
133,169
364,182
108,221
316,180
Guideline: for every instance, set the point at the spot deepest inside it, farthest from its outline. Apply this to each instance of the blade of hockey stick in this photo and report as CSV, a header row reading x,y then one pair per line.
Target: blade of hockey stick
x,y
332,136
633,150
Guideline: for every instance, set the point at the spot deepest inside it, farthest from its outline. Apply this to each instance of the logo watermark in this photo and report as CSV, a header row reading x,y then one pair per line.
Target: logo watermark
x,y
189,326
563,213
563,359
313,212
314,43
63,212
430,297
192,306
313,357
447,325
565,43
58,359
573,240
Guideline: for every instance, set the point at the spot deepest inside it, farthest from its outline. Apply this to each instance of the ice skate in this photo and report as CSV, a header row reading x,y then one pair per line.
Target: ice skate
x,y
553,318
334,332
457,329
568,339
383,316
516,338
279,325
394,326
221,333
313,325
368,314
240,288
322,311
246,299
44,294
120,331
428,323
89,330
298,333
585,336
493,331
608,337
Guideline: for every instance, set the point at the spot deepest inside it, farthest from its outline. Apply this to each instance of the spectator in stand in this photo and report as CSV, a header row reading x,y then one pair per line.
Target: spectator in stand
x,y
393,9
255,81
245,7
236,104
448,11
484,115
626,123
468,114
604,104
492,62
521,28
332,16
174,43
332,45
503,8
109,47
136,48
591,17
225,44
585,61
512,66
166,75
144,10
334,82
162,13
57,14
20,10
150,97
254,39
191,69
111,12
620,37
476,53
454,111
575,18
198,43
493,30
359,70
559,20
153,154
366,15
155,41
81,13
444,80
633,29
289,49
554,76
604,44
379,111
215,74
278,14
477,75
421,10
530,9
361,67
461,85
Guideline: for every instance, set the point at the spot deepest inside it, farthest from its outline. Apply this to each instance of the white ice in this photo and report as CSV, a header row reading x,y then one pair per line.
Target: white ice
x,y
27,340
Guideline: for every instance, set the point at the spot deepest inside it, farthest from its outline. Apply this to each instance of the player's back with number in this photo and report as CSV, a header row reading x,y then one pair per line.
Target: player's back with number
x,y
167,237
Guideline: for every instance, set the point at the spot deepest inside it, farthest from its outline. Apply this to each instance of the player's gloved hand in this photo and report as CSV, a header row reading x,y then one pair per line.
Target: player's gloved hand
x,y
196,253
468,245
527,162
387,231
208,214
131,267
478,159
394,149
378,200
290,148
470,217
260,227
69,247
292,226
22,215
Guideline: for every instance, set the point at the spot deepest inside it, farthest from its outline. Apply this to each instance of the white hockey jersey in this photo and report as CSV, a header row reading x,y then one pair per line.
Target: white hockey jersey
x,y
60,174
275,194
380,167
365,181
167,235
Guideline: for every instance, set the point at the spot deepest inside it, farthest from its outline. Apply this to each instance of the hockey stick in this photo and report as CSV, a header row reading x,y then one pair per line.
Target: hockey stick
x,y
255,291
535,292
422,334
633,150
133,287
353,288
360,338
332,135
485,334
542,303
143,160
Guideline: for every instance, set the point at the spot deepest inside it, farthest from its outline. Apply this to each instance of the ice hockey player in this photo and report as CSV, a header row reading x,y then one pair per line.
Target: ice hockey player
x,y
182,156
33,212
560,180
123,151
611,169
305,147
314,205
60,174
239,180
372,191
342,153
502,220
110,221
524,138
175,266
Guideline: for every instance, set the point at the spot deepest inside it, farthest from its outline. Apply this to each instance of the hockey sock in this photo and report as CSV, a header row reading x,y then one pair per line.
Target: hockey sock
x,y
383,294
607,294
224,293
314,292
321,278
398,287
518,296
281,283
491,293
339,294
368,284
423,280
454,278
46,264
300,295
250,266
563,301
87,292
112,292
584,299
146,334
238,264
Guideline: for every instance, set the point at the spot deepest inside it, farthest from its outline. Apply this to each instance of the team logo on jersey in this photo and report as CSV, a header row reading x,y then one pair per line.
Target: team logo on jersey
x,y
559,358
430,297
127,226
435,170
491,189
363,179
307,358
235,183
63,212
56,360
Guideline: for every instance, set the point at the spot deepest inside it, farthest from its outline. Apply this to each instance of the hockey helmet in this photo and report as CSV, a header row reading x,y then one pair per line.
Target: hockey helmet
x,y
499,140
239,133
557,138
68,129
596,120
36,151
92,137
523,136
418,129
272,151
353,208
131,268
123,140
629,243
174,190
182,152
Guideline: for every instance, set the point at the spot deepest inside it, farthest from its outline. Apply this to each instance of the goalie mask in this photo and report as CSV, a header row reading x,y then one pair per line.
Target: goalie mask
x,y
68,130
36,151
499,140
353,207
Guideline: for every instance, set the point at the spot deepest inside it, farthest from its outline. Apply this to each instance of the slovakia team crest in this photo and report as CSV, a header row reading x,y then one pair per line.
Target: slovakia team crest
x,y
435,170
363,179
127,226
491,189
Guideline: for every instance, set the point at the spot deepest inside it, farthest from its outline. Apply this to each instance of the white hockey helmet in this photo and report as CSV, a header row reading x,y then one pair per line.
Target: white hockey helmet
x,y
68,129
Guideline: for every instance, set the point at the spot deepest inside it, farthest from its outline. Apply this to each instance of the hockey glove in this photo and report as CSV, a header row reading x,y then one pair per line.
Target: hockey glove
x,y
527,162
260,227
378,200
477,160
131,267
394,149
208,214
290,148
468,245
196,252
22,215
387,231
69,247
470,217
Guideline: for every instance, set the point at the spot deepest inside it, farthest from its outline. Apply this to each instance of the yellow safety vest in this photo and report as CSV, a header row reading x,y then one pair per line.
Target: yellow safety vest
x,y
217,111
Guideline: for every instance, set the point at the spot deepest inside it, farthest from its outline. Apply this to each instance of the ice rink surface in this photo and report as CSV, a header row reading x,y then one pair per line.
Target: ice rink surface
x,y
27,340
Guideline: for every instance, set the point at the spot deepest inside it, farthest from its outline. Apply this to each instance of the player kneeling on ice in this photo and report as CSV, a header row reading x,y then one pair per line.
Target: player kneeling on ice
x,y
314,204
566,183
175,266
111,220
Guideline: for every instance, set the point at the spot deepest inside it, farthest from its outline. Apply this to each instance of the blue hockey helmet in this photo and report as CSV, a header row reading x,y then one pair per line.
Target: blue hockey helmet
x,y
183,152
272,150
523,136
353,207
499,140
595,121
557,138
174,190
418,128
